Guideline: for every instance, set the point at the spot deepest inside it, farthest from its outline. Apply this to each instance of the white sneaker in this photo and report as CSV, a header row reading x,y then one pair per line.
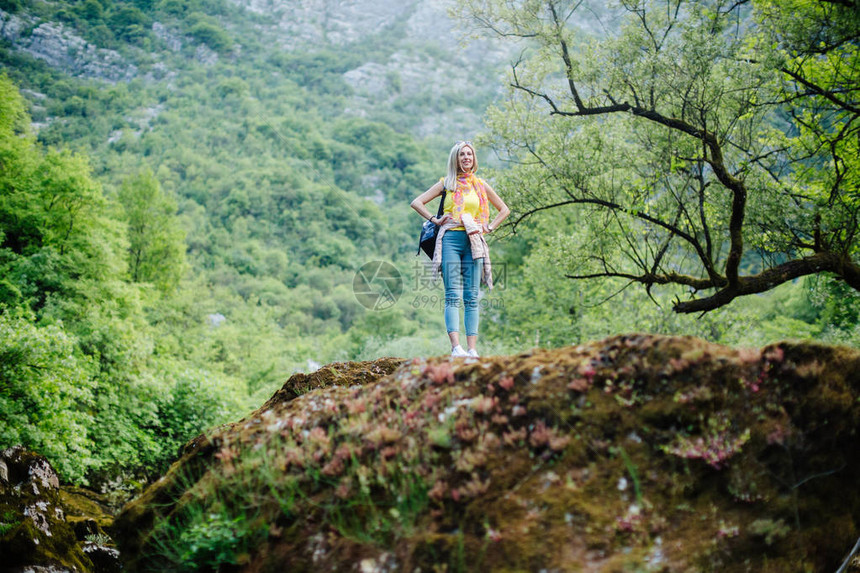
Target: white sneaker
x,y
473,353
458,351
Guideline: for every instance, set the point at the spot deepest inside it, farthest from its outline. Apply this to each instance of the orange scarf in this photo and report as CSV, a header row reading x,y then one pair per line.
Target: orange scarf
x,y
465,182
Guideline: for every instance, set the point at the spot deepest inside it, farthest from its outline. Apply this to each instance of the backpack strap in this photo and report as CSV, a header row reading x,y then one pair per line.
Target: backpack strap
x,y
441,203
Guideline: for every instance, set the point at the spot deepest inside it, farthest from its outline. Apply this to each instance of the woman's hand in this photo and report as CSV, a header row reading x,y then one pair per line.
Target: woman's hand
x,y
487,229
443,219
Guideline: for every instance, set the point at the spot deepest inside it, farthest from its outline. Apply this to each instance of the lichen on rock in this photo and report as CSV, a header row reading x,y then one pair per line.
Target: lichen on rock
x,y
36,532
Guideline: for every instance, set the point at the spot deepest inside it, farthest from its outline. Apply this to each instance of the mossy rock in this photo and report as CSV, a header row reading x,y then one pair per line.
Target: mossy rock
x,y
636,453
336,373
85,506
33,522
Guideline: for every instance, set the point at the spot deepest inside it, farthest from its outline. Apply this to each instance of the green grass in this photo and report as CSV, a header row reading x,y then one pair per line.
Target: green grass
x,y
224,515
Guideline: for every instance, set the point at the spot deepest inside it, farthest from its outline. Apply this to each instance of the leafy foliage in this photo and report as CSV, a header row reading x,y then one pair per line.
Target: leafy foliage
x,y
80,380
46,394
156,249
702,144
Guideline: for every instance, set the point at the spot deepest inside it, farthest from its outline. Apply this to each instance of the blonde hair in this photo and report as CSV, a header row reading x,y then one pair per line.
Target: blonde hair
x,y
454,163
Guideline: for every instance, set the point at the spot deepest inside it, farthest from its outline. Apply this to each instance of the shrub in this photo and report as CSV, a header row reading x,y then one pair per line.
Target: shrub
x,y
45,393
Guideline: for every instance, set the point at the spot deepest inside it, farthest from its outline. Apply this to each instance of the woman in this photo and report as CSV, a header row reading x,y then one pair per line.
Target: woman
x,y
466,215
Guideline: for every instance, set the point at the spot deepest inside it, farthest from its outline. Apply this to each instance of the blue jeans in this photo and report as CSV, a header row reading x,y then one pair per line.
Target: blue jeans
x,y
461,275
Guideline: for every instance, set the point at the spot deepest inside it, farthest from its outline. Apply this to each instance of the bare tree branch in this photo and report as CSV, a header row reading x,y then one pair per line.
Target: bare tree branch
x,y
774,276
829,95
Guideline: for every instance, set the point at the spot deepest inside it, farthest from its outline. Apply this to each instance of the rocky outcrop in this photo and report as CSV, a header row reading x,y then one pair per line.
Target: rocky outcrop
x,y
60,48
638,453
171,39
424,59
310,22
44,527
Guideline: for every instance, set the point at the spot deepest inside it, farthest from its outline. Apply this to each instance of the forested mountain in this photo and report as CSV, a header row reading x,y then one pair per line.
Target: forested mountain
x,y
188,189
196,185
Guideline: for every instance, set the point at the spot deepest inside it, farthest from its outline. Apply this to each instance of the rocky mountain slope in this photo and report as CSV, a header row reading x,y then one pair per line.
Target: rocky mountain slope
x,y
313,22
61,48
428,59
418,56
638,453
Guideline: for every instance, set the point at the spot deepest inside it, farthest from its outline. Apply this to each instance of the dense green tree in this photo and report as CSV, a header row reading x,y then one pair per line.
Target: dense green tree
x,y
709,145
46,394
91,10
13,118
14,220
81,378
212,35
129,22
55,231
10,5
156,242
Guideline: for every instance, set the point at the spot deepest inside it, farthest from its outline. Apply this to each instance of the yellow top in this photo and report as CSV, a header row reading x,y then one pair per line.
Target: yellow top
x,y
471,205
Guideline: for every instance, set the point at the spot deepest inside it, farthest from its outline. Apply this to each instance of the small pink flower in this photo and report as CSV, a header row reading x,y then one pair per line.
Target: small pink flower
x,y
484,405
440,373
588,371
430,400
343,490
318,436
514,437
355,406
335,467
438,490
579,385
558,443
